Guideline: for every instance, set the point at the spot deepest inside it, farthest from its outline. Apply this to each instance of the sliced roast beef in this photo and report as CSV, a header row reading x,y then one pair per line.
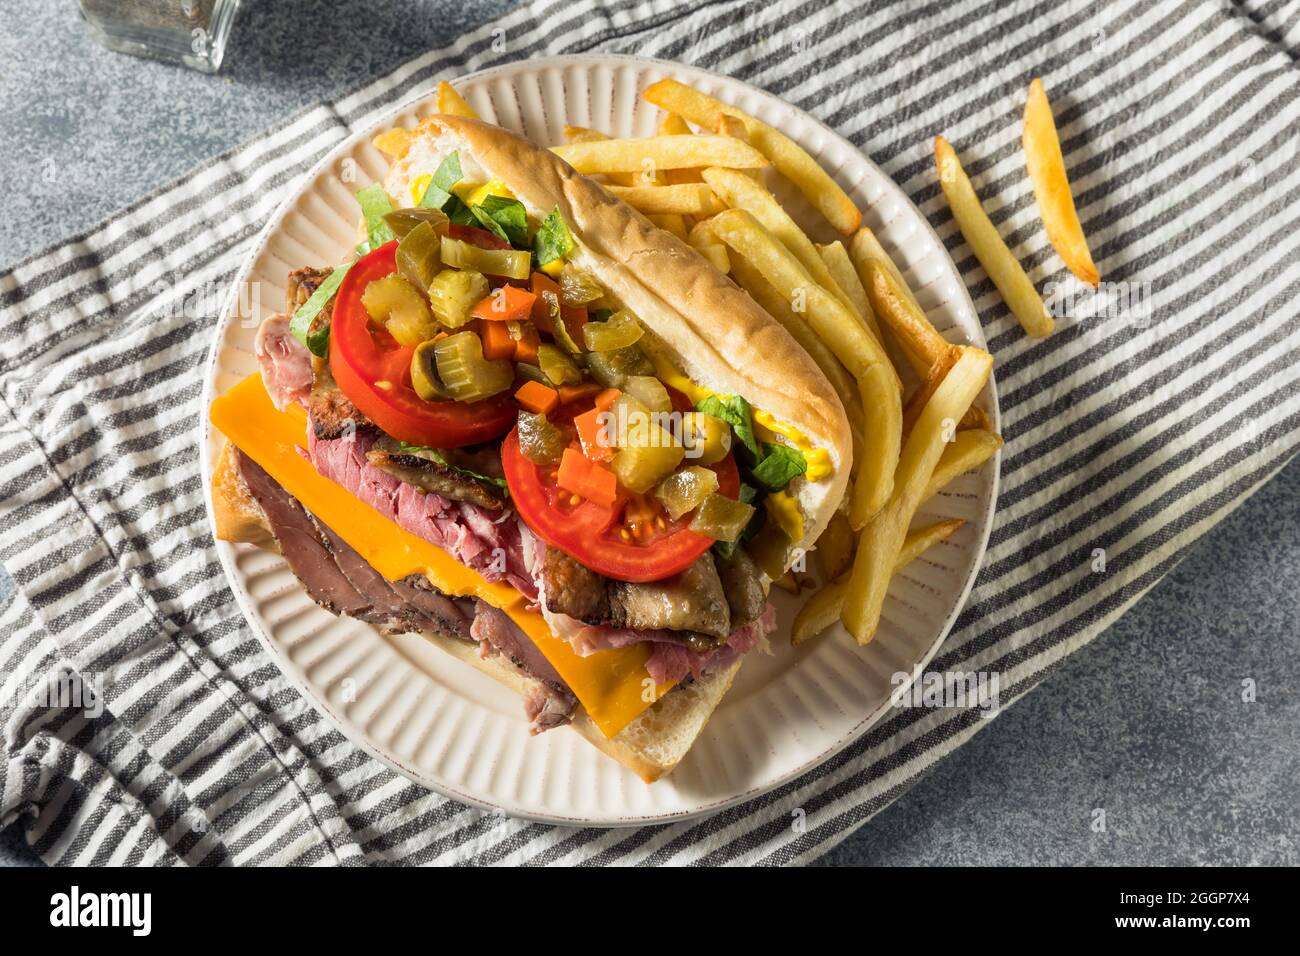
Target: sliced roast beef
x,y
434,476
450,616
673,662
692,601
339,579
284,362
742,582
551,703
301,543
390,610
489,542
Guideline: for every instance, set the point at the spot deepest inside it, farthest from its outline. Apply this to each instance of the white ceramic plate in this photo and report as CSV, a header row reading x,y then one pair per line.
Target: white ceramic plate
x,y
458,732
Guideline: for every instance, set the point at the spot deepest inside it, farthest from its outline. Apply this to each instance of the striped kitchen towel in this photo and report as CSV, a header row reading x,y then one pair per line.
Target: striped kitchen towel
x,y
1129,431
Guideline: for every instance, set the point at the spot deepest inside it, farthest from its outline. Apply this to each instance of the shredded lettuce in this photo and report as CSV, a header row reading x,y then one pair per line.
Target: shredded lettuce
x,y
438,194
553,240
505,218
737,413
318,342
780,465
375,205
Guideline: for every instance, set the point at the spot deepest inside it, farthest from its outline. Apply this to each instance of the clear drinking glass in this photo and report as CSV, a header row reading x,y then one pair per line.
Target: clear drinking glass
x,y
192,32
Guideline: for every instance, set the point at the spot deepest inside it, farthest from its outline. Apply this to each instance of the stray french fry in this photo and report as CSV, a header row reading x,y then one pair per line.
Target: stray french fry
x,y
786,155
882,538
1052,187
687,199
659,152
847,337
987,244
823,608
744,192
752,281
452,103
967,451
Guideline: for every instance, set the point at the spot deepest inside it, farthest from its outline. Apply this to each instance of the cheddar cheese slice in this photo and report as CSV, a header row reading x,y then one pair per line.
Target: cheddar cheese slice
x,y
612,686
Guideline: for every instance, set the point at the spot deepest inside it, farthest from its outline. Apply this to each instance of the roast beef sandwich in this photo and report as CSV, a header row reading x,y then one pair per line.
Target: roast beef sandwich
x,y
532,427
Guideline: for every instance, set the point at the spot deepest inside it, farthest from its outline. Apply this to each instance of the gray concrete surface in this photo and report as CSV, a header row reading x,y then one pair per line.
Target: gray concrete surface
x,y
1147,723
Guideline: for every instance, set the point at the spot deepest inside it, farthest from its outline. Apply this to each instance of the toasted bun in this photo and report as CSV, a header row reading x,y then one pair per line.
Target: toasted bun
x,y
717,335
652,745
236,513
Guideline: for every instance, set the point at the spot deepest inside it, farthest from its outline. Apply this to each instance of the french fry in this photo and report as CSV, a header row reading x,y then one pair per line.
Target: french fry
x,y
923,539
581,134
672,125
920,342
730,126
987,244
835,547
823,608
1052,188
685,199
659,152
786,155
925,391
752,281
846,280
967,451
863,247
744,192
393,143
452,103
847,337
882,538
703,241
670,222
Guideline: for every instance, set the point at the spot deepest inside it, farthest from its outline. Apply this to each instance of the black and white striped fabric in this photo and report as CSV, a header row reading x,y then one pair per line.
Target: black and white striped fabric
x,y
1128,435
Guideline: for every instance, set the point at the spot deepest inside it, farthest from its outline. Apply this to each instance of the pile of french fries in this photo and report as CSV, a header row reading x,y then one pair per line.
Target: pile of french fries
x,y
705,177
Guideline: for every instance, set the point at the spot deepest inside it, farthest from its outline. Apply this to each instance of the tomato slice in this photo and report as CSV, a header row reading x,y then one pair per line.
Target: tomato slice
x,y
362,356
593,534
476,237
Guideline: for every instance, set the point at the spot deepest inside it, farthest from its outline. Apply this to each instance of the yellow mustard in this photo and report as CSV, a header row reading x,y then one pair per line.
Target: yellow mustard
x,y
419,186
784,510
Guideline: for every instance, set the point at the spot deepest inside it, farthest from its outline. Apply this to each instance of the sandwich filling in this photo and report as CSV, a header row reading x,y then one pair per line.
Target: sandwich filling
x,y
466,381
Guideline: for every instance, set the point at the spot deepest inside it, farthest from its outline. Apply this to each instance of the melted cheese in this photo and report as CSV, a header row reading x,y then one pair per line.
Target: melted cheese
x,y
610,684
819,459
471,194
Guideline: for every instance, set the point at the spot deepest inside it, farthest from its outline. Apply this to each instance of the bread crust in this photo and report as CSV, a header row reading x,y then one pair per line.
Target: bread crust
x,y
719,336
